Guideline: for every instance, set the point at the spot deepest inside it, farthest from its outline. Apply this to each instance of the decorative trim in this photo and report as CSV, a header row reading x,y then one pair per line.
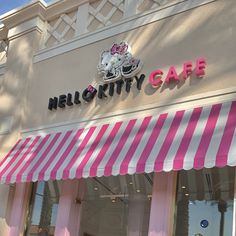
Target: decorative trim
x,y
218,96
118,28
58,7
2,69
38,8
25,13
33,24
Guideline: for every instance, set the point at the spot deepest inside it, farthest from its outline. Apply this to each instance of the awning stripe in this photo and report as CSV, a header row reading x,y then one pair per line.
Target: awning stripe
x,y
30,160
12,161
44,157
18,165
126,148
82,159
84,150
232,152
194,138
169,141
91,150
149,147
52,157
221,156
105,160
100,156
176,141
9,155
185,142
85,138
149,165
51,166
119,146
134,145
94,155
206,136
61,159
216,137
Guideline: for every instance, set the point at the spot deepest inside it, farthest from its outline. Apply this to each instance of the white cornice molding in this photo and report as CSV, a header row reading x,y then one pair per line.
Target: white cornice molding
x,y
120,27
33,24
38,8
208,98
23,18
59,7
19,15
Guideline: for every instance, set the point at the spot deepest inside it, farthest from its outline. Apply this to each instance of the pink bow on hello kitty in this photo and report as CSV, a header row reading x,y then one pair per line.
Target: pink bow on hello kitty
x,y
119,48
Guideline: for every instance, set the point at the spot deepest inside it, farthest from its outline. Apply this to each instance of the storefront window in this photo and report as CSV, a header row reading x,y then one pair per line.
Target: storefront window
x,y
205,202
116,206
42,216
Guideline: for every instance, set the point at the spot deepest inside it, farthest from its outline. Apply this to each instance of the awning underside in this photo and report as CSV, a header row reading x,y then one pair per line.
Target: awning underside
x,y
194,138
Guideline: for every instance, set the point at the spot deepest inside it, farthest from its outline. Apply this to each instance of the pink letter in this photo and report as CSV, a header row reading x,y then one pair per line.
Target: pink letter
x,y
200,67
155,78
187,69
172,75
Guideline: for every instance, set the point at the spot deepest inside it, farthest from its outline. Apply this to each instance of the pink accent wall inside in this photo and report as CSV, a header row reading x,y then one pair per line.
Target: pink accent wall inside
x,y
68,214
163,204
19,206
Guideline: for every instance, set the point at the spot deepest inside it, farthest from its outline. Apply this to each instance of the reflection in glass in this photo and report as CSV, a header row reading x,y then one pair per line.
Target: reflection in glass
x,y
43,216
116,206
205,202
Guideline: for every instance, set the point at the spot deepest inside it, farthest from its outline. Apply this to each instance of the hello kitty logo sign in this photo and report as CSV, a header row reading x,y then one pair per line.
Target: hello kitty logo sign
x,y
118,62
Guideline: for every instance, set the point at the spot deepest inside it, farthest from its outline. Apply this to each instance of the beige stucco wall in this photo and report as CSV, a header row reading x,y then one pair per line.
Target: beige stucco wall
x,y
208,31
14,88
13,106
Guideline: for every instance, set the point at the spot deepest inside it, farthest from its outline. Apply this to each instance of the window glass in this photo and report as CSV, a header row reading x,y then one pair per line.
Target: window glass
x,y
116,206
42,218
205,202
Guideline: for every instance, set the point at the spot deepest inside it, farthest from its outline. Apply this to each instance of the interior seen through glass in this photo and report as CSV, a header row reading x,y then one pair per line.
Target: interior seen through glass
x,y
116,206
120,205
42,218
205,202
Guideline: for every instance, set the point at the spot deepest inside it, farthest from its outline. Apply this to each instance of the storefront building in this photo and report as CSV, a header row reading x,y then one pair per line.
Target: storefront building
x,y
118,117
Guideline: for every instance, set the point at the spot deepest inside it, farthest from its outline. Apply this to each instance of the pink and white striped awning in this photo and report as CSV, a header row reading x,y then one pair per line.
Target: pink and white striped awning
x,y
186,139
